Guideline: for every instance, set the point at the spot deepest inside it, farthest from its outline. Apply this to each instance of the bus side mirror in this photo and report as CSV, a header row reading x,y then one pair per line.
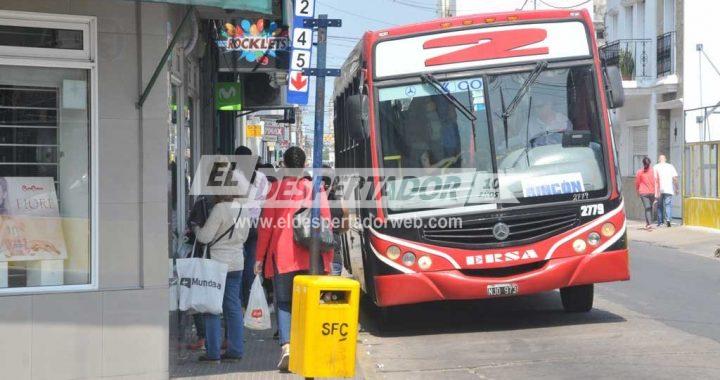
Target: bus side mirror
x,y
613,88
357,116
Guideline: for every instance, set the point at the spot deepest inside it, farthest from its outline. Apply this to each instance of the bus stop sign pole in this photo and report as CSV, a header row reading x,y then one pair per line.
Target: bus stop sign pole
x,y
321,23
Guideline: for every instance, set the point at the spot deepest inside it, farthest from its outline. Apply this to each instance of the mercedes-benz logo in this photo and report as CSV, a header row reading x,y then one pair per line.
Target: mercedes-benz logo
x,y
501,231
410,91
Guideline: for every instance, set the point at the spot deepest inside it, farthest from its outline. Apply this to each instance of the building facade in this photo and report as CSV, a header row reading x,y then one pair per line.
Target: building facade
x,y
666,59
105,108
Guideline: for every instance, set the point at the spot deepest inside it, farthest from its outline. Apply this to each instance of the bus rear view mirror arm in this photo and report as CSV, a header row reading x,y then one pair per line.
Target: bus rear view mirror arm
x,y
613,87
358,110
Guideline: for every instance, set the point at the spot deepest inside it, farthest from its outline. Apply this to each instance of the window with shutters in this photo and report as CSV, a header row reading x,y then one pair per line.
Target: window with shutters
x,y
47,128
639,146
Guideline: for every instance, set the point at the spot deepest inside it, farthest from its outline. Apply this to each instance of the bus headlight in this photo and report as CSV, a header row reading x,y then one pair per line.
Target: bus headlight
x,y
593,238
579,245
393,252
608,229
424,262
408,259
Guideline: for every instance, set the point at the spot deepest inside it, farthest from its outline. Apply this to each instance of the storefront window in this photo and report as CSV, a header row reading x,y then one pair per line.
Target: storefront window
x,y
44,177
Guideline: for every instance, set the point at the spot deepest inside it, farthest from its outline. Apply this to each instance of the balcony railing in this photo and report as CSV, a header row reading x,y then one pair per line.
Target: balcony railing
x,y
630,55
666,54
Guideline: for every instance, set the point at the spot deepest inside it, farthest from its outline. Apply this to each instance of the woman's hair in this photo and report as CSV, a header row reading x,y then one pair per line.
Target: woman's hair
x,y
224,198
646,163
294,157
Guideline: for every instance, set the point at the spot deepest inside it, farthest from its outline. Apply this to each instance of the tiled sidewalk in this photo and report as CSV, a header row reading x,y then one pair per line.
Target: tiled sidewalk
x,y
259,361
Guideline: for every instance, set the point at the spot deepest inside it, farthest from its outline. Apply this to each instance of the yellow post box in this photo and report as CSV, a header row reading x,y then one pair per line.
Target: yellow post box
x,y
323,333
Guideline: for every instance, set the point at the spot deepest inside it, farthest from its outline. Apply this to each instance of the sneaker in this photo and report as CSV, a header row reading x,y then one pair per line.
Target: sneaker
x,y
199,345
206,359
276,336
284,358
229,358
668,223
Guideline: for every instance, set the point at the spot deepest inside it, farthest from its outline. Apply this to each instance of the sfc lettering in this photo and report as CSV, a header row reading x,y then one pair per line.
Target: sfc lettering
x,y
335,327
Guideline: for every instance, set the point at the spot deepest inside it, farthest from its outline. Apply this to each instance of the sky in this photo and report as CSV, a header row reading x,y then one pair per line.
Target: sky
x,y
359,16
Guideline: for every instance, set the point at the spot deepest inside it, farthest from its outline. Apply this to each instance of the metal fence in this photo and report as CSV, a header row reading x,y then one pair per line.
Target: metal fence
x,y
630,55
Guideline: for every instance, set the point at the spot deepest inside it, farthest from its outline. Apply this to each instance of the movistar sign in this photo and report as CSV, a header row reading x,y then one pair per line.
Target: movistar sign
x,y
261,6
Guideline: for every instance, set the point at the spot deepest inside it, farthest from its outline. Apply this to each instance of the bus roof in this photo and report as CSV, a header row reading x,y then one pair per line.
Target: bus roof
x,y
354,61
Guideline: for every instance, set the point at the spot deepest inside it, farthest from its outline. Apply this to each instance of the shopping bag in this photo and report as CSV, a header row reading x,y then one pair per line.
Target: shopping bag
x,y
201,284
257,314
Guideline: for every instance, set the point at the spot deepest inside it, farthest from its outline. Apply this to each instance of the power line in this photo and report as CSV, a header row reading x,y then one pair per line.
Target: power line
x,y
567,6
415,5
357,15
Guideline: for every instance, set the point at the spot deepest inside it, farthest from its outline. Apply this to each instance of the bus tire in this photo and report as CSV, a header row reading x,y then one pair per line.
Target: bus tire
x,y
577,299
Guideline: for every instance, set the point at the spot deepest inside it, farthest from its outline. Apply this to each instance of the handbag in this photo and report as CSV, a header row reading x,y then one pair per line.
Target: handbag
x,y
302,230
257,313
201,284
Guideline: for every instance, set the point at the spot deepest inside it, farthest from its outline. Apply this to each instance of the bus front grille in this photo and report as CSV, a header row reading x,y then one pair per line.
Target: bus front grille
x,y
523,229
504,272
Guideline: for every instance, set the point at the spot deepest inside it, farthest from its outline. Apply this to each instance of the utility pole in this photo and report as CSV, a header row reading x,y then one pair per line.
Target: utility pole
x,y
321,23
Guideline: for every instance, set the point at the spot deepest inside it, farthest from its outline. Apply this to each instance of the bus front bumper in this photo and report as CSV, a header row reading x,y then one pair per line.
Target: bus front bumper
x,y
401,289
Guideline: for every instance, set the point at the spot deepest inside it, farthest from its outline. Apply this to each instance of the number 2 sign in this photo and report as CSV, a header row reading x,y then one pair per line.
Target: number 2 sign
x,y
304,8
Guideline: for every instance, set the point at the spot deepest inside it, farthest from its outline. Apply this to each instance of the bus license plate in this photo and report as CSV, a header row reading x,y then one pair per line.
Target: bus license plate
x,y
502,289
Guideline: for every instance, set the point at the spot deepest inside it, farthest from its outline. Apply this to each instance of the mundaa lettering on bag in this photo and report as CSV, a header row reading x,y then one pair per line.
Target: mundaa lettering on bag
x,y
190,282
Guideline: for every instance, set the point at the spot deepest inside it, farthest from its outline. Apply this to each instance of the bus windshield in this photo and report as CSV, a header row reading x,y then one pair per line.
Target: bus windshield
x,y
547,148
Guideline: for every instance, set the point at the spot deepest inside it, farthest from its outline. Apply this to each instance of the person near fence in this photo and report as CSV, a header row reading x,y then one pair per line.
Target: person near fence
x,y
279,256
225,232
667,180
646,187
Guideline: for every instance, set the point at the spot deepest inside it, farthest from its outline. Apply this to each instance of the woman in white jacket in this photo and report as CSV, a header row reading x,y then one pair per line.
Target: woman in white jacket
x,y
226,230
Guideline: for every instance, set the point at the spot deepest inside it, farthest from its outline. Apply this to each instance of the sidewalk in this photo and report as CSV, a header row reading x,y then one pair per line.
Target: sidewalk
x,y
259,361
699,241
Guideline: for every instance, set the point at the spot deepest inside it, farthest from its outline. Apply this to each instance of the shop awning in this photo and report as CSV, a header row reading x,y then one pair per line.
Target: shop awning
x,y
260,6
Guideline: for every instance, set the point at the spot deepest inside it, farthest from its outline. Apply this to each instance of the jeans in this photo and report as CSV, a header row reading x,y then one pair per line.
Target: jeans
x,y
283,310
648,200
232,311
248,268
664,208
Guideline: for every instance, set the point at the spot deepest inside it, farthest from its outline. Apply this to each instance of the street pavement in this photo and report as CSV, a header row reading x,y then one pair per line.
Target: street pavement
x,y
663,324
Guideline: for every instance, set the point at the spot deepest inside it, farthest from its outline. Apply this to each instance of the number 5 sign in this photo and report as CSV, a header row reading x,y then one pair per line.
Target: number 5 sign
x,y
302,42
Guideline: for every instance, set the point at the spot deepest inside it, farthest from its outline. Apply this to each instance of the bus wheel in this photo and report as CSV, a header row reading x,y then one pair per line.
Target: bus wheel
x,y
577,299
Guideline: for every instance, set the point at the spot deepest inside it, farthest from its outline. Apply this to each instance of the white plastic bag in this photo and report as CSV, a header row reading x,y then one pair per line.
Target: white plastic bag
x,y
201,284
257,314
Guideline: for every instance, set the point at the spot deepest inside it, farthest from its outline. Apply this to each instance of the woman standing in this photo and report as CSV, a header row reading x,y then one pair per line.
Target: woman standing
x,y
283,257
225,233
646,187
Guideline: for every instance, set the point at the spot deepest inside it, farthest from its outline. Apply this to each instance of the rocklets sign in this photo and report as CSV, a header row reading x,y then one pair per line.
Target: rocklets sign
x,y
257,42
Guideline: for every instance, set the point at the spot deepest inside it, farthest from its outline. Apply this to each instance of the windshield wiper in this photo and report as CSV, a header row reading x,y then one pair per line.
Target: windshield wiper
x,y
431,80
524,89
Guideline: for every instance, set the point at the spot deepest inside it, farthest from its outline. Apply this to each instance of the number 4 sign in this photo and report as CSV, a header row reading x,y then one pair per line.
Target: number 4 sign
x,y
302,42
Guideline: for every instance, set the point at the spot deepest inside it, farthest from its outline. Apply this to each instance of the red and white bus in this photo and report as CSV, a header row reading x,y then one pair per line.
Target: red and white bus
x,y
519,100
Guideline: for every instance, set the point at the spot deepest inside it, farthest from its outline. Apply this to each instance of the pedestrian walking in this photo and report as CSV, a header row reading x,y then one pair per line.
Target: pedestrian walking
x,y
667,181
646,188
279,256
256,190
225,233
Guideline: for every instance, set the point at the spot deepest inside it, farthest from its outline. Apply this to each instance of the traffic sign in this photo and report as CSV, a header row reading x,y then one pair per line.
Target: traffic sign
x,y
302,42
298,82
253,130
